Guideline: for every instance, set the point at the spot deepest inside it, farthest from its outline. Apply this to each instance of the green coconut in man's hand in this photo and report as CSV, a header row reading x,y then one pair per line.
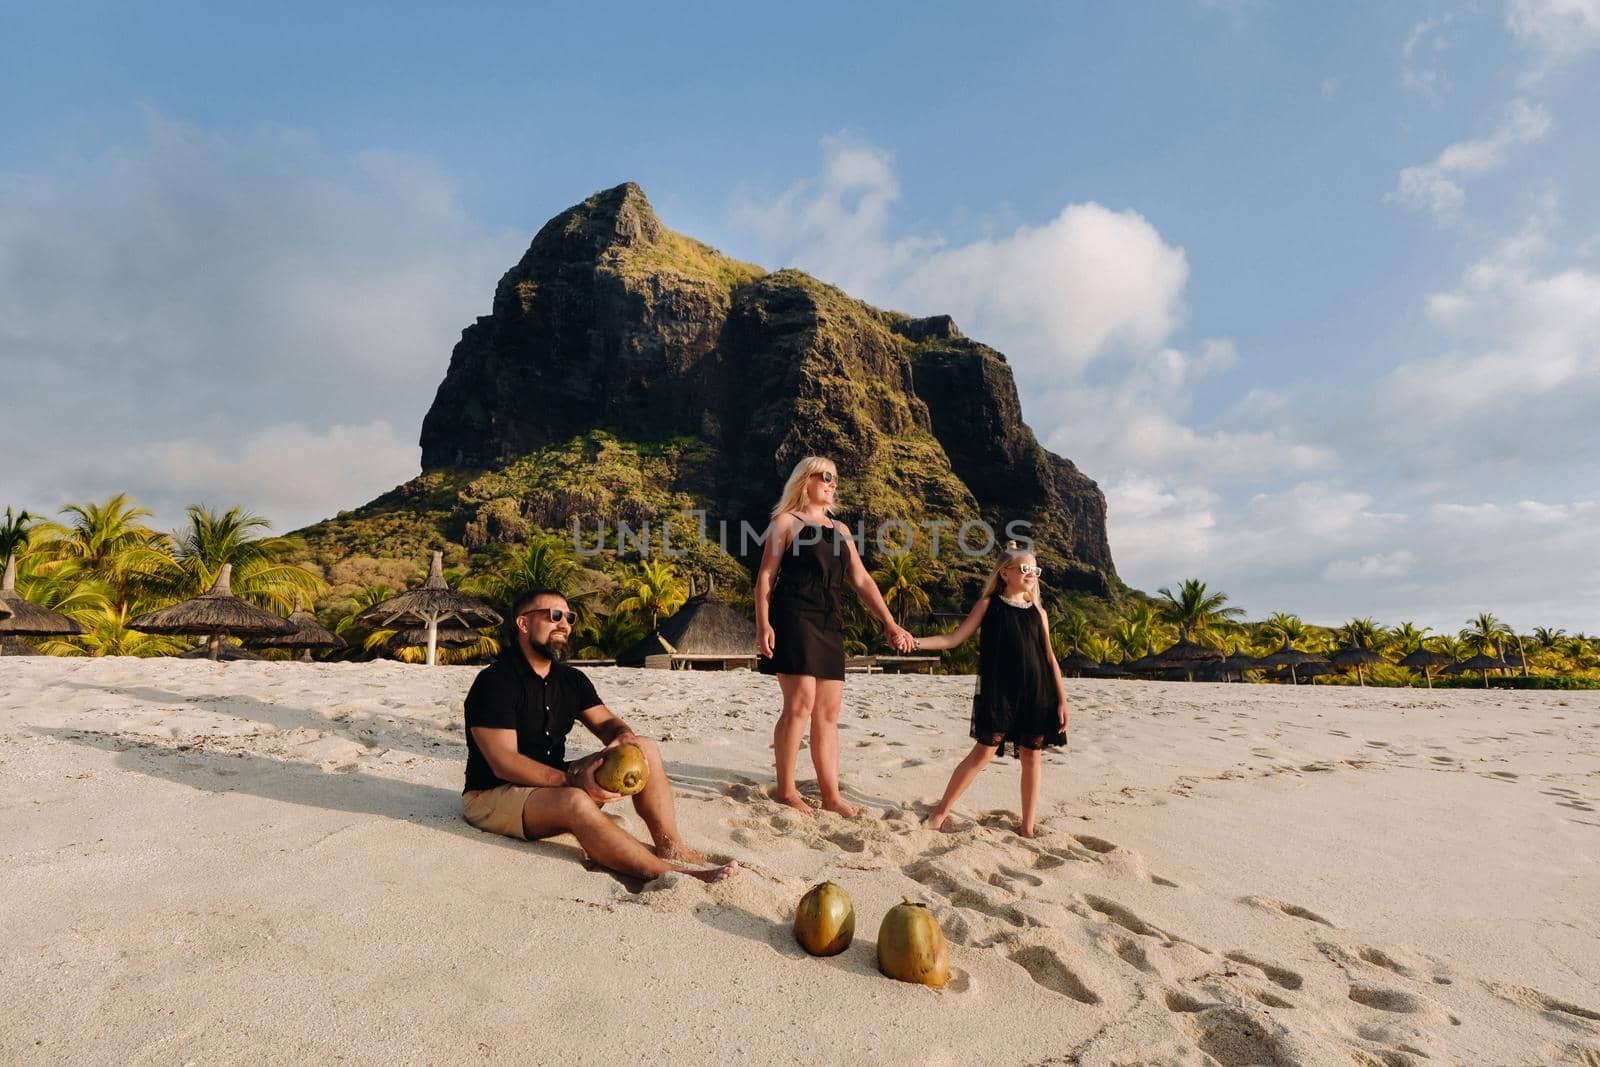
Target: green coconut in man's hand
x,y
622,770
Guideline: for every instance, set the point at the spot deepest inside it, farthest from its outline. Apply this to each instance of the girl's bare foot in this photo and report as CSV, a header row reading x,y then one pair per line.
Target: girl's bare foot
x,y
1026,831
716,874
678,852
936,819
839,807
795,801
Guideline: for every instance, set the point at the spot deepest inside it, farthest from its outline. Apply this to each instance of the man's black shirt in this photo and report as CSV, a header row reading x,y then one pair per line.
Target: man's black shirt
x,y
508,695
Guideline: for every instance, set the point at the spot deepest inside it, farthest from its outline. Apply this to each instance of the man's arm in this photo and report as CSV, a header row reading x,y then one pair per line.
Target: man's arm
x,y
605,725
499,748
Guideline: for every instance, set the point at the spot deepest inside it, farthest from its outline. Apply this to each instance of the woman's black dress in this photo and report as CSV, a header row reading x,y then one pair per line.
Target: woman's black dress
x,y
1016,700
808,631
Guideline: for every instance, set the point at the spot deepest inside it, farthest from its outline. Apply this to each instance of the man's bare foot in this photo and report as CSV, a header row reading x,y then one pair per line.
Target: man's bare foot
x,y
839,807
678,852
716,874
936,819
795,801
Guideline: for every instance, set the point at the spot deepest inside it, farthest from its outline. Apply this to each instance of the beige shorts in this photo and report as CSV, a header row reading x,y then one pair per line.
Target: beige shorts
x,y
497,810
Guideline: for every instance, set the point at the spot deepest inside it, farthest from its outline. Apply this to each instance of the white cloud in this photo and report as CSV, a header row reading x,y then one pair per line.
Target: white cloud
x,y
1396,564
1426,40
1058,295
1557,30
1525,349
194,293
1436,186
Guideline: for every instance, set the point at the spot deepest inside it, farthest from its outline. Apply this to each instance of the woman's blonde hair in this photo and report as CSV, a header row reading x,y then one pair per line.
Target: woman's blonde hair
x,y
793,496
1009,555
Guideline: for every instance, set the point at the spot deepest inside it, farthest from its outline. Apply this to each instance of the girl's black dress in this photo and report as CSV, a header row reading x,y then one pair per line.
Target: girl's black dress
x,y
808,630
1016,700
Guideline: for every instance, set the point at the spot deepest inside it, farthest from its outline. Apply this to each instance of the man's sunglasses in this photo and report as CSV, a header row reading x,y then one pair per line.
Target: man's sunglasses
x,y
554,614
828,477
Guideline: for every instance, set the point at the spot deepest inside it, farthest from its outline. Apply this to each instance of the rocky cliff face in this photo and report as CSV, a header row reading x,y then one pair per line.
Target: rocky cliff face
x,y
612,322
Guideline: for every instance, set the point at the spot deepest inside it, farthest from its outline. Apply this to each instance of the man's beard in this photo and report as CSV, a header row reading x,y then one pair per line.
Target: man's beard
x,y
553,650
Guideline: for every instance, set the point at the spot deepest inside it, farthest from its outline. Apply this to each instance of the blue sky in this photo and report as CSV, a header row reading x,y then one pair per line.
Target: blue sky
x,y
1311,290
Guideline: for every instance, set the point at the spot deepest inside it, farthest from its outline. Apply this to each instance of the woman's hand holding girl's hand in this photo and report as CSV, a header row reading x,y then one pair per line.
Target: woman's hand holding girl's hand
x,y
766,641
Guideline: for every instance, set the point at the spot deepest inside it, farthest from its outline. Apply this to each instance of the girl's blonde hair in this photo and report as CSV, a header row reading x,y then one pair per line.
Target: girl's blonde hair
x,y
793,496
1009,555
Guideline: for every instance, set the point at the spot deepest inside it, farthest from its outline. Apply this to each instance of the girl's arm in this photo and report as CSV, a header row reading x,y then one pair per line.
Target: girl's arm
x,y
954,638
870,595
777,539
1055,665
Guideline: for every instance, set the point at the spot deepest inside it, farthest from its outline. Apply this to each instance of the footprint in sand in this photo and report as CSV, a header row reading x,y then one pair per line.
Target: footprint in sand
x,y
1280,976
1554,1007
1397,1001
1235,1038
1048,969
1292,910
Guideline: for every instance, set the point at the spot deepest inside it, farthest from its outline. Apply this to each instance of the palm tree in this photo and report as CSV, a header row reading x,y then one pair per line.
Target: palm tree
x,y
605,636
1098,647
1485,634
1193,610
901,577
654,589
108,543
1544,635
1070,632
1282,628
14,535
260,575
108,634
545,562
1361,633
1137,631
1407,638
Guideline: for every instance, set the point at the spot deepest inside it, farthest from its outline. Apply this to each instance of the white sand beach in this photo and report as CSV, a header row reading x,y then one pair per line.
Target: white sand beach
x,y
266,863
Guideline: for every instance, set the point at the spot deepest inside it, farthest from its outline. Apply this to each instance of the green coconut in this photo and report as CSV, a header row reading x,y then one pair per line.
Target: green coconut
x,y
911,947
825,921
622,770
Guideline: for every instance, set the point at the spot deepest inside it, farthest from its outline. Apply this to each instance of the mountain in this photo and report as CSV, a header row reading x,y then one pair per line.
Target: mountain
x,y
628,372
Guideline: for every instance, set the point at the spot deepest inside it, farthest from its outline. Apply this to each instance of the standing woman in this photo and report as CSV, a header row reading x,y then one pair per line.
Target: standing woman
x,y
799,629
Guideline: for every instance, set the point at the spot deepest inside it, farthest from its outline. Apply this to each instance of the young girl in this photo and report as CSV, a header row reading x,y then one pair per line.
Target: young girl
x,y
1020,697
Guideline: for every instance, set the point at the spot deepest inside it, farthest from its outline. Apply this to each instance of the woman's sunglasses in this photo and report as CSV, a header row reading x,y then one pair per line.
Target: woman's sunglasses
x,y
828,477
554,614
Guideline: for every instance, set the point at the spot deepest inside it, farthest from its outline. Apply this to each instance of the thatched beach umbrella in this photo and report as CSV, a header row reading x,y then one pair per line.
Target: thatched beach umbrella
x,y
1482,662
1424,660
19,618
308,634
215,614
1357,657
1077,662
430,605
1186,656
1237,663
223,651
1293,659
1110,670
444,637
706,625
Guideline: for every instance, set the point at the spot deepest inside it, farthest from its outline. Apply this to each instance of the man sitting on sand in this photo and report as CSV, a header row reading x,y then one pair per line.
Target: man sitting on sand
x,y
519,711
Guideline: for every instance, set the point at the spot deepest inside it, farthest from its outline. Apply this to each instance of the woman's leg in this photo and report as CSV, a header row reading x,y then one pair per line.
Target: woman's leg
x,y
825,743
799,697
1031,762
966,773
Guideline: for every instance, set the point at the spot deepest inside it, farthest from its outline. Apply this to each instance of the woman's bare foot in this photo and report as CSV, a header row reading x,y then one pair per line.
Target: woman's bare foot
x,y
839,807
936,819
716,874
678,852
795,801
